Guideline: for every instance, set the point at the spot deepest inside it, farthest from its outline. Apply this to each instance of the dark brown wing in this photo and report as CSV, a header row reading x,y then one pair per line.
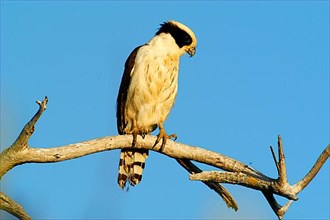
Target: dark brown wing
x,y
123,90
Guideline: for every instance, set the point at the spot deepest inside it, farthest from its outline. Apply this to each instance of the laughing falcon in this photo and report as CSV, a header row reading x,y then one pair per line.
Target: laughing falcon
x,y
147,93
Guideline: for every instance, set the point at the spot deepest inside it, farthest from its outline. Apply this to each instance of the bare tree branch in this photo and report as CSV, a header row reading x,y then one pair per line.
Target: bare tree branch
x,y
21,142
222,191
12,207
71,151
277,208
268,186
244,180
282,179
23,138
236,172
315,169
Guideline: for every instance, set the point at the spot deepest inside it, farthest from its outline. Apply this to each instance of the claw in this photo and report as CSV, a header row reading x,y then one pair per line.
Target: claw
x,y
173,136
163,144
162,135
134,140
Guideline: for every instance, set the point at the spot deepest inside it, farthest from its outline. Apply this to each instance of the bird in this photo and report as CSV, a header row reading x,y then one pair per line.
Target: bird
x,y
147,93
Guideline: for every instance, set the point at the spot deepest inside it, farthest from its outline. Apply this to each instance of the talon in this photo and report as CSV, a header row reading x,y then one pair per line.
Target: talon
x,y
162,135
134,140
173,136
163,144
157,140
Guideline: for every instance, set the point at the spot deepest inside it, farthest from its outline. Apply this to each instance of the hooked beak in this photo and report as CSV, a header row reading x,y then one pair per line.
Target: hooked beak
x,y
191,51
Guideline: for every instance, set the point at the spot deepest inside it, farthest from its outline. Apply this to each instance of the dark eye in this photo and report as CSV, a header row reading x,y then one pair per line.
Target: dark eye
x,y
187,39
181,37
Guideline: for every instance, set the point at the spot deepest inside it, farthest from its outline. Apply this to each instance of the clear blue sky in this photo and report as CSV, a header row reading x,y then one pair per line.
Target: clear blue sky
x,y
261,69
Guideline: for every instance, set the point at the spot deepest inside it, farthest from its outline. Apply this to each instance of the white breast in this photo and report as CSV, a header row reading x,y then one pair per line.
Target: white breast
x,y
152,90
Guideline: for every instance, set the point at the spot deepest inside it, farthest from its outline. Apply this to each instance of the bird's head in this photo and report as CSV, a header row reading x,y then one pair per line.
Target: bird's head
x,y
184,38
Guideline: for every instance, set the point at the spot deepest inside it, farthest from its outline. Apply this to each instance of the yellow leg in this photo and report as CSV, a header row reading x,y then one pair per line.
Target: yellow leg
x,y
135,133
162,135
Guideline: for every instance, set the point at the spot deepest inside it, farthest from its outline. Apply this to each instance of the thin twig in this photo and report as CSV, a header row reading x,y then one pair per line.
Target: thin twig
x,y
275,160
284,208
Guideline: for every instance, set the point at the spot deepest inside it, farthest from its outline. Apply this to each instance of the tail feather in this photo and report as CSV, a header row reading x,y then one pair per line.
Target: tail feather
x,y
131,165
125,162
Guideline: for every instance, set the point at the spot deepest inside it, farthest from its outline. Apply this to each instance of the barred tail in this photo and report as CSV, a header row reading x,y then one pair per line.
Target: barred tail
x,y
131,165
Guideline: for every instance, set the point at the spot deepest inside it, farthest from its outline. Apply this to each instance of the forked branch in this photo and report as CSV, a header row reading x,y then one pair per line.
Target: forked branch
x,y
268,186
236,172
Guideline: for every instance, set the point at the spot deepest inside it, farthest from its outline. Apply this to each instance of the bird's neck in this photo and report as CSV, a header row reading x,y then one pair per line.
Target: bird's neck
x,y
165,44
